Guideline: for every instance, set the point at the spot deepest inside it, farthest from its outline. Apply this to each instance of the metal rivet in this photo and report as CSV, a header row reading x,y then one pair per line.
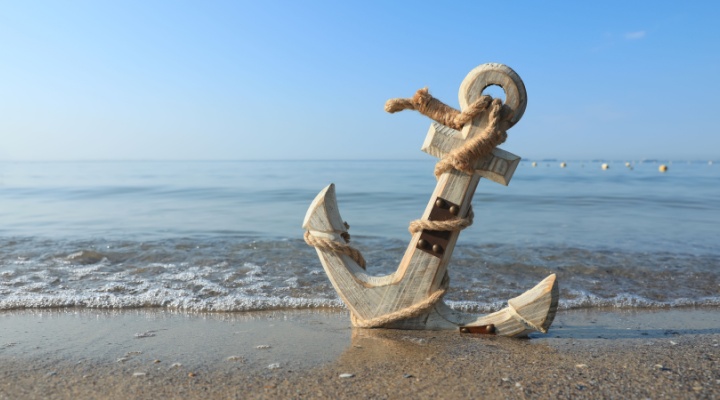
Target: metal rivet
x,y
423,244
440,203
454,210
437,248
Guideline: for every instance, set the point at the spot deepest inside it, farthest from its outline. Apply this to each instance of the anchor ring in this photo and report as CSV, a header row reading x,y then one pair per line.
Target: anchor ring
x,y
501,75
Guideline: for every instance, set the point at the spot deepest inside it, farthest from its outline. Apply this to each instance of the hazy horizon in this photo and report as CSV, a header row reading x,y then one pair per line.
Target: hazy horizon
x,y
543,159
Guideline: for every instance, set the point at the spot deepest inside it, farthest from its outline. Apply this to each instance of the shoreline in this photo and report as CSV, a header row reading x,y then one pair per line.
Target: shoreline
x,y
81,353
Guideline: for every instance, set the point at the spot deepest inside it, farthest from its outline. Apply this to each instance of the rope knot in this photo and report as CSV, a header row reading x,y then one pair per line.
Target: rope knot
x,y
465,157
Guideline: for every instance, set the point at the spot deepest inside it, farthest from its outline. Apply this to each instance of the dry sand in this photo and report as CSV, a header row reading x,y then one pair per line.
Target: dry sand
x,y
306,354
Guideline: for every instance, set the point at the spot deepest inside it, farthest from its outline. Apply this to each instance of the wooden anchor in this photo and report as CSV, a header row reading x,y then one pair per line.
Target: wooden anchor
x,y
411,297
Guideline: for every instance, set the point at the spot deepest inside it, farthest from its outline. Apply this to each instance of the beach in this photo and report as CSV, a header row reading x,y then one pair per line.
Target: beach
x,y
80,353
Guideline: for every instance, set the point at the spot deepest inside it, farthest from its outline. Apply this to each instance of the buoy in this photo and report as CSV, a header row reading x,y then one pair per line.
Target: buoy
x,y
534,164
627,164
605,166
662,168
563,165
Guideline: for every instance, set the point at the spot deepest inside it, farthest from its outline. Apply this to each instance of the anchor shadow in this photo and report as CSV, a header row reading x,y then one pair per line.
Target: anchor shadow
x,y
591,327
634,324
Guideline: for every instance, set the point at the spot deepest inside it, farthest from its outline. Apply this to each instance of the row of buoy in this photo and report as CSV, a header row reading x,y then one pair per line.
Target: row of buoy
x,y
605,166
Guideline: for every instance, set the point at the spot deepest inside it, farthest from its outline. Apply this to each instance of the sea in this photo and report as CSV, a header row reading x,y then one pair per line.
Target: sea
x,y
226,236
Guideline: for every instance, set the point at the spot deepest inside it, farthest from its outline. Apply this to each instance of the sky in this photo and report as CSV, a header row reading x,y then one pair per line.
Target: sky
x,y
297,80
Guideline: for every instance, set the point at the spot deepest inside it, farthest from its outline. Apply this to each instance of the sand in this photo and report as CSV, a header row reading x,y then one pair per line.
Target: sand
x,y
72,353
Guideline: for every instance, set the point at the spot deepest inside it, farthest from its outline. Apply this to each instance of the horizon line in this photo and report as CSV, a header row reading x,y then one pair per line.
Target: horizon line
x,y
544,159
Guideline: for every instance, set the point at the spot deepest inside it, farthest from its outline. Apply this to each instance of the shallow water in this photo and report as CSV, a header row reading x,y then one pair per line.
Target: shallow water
x,y
226,236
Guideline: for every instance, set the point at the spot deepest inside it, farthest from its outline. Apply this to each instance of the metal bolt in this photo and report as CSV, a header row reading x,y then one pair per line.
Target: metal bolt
x,y
423,244
440,203
454,210
437,248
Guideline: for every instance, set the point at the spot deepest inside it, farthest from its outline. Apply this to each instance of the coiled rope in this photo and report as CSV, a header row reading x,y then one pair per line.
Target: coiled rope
x,y
464,157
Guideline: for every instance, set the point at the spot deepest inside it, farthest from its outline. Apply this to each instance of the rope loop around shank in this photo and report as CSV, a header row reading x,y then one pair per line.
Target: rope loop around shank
x,y
448,225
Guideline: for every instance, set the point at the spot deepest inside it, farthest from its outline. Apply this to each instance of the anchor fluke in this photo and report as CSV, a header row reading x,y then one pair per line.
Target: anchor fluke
x,y
532,311
323,215
324,227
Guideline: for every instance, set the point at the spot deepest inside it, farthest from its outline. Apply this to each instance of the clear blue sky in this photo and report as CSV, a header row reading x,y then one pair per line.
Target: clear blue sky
x,y
99,80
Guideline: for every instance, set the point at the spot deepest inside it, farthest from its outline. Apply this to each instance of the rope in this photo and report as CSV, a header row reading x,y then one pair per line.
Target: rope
x,y
449,225
462,158
440,112
336,247
405,313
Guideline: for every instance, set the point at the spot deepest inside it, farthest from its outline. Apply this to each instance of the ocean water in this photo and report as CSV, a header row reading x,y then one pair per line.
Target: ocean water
x,y
227,236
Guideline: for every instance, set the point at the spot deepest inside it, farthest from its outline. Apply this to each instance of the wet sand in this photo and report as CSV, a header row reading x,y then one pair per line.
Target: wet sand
x,y
315,354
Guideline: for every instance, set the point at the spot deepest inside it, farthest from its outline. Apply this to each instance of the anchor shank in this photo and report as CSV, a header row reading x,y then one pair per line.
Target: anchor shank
x,y
458,188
